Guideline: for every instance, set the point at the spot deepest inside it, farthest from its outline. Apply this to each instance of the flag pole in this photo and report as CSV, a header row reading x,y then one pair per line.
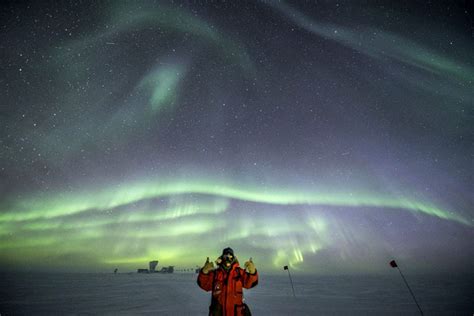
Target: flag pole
x,y
291,281
395,265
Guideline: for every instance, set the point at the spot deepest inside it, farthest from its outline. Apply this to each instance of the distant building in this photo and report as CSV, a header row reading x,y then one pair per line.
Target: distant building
x,y
169,269
153,265
152,268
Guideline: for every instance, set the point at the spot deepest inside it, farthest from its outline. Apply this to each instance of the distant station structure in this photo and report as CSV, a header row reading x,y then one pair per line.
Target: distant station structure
x,y
152,268
153,265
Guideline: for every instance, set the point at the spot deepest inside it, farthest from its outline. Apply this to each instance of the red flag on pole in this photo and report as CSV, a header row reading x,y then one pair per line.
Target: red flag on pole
x,y
393,264
285,268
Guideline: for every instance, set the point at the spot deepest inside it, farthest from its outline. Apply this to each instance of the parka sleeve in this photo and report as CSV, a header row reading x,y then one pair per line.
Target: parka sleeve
x,y
250,280
205,280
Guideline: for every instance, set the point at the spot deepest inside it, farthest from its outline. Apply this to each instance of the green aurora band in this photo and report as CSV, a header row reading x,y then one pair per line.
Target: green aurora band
x,y
125,18
156,89
68,204
381,44
162,86
124,225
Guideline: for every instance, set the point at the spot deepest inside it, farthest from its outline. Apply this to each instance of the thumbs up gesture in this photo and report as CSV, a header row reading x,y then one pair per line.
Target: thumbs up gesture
x,y
208,266
250,266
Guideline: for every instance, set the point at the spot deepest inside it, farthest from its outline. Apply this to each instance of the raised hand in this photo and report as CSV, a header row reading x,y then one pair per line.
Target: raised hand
x,y
250,266
208,266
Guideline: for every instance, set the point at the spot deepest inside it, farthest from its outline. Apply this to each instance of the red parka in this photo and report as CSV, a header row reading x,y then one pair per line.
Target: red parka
x,y
226,287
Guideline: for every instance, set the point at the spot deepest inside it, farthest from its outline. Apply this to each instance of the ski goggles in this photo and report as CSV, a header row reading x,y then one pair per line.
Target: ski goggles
x,y
227,256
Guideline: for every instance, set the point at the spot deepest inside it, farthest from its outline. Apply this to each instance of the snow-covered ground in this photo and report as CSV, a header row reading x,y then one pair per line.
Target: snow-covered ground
x,y
178,294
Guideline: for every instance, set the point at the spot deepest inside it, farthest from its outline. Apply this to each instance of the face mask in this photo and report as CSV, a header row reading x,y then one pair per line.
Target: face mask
x,y
227,260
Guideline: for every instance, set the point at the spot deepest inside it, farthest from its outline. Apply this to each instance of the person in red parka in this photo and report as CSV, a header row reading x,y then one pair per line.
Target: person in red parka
x,y
226,283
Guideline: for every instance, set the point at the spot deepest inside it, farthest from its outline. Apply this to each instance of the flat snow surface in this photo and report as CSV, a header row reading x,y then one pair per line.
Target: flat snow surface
x,y
178,294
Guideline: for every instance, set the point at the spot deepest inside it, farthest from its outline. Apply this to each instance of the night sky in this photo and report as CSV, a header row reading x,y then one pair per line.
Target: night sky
x,y
330,136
